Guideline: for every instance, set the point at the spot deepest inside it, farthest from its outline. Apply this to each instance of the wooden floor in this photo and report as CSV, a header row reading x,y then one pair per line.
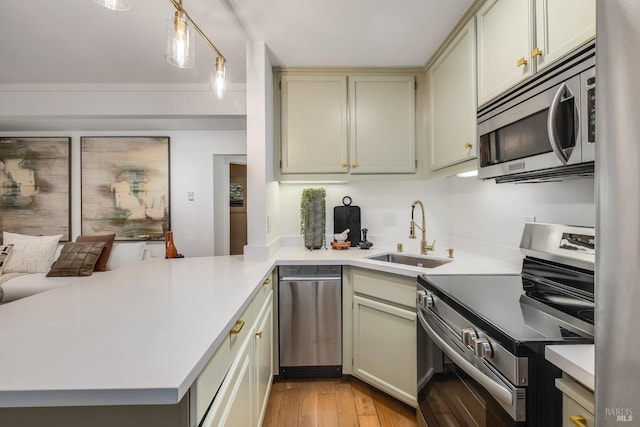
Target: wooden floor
x,y
340,402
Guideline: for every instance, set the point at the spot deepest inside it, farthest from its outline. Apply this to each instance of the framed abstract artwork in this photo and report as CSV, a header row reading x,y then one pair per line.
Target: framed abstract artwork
x,y
125,186
35,185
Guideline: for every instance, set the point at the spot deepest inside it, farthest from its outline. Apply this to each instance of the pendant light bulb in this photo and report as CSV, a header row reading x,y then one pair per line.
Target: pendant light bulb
x,y
220,78
119,5
180,42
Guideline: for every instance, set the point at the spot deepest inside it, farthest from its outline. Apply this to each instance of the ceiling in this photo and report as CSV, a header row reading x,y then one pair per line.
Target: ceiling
x,y
77,41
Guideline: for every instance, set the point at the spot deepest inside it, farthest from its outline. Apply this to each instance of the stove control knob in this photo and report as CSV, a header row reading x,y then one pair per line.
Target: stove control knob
x,y
429,301
421,297
482,348
468,336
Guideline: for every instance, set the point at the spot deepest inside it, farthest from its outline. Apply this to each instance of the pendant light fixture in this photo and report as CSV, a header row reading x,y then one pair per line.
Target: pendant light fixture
x,y
180,42
119,5
220,78
180,50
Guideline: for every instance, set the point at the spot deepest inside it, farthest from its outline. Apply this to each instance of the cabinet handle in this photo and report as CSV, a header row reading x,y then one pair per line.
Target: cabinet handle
x,y
259,334
237,328
266,281
536,52
522,61
468,146
354,165
578,420
344,164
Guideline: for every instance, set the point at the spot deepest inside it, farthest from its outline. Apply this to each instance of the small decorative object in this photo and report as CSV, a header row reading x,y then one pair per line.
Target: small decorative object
x,y
341,237
170,250
341,245
313,218
365,244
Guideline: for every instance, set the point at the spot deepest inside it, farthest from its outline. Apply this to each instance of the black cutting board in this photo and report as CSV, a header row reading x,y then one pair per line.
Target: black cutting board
x,y
347,217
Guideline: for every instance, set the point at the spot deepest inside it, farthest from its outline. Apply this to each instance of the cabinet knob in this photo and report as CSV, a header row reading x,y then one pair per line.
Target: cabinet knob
x,y
522,61
237,327
578,420
354,165
266,281
536,52
468,146
344,164
259,334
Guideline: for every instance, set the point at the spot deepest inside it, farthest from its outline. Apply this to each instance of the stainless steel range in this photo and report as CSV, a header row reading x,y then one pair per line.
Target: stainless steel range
x,y
481,339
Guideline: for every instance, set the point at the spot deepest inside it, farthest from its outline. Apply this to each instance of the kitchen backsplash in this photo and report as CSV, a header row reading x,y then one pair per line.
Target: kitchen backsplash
x,y
460,212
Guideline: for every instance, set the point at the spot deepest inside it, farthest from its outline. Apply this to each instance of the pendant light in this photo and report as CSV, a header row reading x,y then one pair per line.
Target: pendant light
x,y
180,51
118,5
220,78
180,41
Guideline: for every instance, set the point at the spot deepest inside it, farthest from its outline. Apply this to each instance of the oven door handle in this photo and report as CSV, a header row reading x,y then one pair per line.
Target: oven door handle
x,y
500,393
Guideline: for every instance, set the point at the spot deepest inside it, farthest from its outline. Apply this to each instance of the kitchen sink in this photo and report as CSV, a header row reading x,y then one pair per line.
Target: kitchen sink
x,y
416,260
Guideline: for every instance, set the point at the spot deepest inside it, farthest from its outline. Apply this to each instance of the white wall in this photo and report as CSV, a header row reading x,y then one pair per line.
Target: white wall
x,y
460,212
191,167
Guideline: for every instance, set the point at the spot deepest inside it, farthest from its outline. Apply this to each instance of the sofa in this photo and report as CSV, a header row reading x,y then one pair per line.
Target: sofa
x,y
18,281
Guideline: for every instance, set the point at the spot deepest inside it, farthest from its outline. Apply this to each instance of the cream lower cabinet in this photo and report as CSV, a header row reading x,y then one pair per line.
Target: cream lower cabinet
x,y
384,333
452,102
242,395
577,403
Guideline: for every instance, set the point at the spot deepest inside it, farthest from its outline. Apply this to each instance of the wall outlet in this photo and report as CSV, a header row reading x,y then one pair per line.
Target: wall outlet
x,y
530,218
190,196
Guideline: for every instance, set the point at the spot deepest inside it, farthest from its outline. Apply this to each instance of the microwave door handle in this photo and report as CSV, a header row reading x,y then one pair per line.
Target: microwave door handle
x,y
500,393
553,114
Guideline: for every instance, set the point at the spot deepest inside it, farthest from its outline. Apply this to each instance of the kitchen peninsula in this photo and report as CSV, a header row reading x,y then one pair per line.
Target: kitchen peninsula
x,y
133,343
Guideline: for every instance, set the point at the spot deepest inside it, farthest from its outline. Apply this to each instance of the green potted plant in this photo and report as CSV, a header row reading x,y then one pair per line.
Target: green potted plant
x,y
313,218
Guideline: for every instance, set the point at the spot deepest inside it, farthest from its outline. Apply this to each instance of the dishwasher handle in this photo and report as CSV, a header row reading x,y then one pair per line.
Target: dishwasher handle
x,y
309,278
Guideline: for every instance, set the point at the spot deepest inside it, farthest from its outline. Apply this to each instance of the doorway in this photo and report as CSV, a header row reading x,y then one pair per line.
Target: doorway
x,y
237,208
222,204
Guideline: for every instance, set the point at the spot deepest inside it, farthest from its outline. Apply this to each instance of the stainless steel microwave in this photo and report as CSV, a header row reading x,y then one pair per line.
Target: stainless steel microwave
x,y
544,129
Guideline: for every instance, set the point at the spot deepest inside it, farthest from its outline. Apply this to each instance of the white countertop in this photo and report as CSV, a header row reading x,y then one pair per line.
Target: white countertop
x,y
576,360
143,333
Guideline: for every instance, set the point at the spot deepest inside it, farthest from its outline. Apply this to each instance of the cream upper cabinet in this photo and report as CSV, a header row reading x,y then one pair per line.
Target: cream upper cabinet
x,y
382,128
504,39
337,122
562,25
314,124
452,101
517,38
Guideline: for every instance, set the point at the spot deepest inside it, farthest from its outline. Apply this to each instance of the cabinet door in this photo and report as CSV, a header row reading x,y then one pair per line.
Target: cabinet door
x,y
314,124
384,347
382,128
505,35
561,26
453,106
234,403
263,357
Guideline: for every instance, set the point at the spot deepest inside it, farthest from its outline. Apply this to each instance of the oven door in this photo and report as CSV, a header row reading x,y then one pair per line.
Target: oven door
x,y
463,389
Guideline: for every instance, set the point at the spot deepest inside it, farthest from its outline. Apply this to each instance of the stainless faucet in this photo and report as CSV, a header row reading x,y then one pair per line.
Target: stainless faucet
x,y
424,246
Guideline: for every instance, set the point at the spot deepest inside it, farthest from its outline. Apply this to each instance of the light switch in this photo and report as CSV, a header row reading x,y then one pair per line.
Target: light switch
x,y
190,196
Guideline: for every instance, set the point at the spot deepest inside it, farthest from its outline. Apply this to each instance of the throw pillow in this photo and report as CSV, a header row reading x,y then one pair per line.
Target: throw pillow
x,y
30,254
77,259
125,253
101,265
5,251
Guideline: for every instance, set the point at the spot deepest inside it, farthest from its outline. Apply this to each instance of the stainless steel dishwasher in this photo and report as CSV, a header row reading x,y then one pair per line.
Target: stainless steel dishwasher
x,y
310,321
